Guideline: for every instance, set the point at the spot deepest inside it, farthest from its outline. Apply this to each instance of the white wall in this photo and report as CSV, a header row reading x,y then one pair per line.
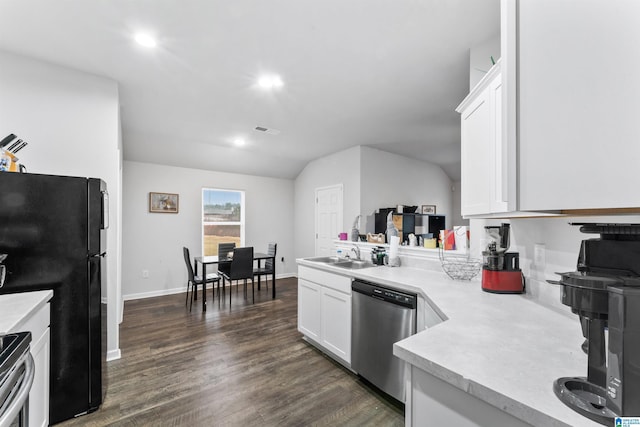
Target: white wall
x,y
561,245
71,121
480,58
390,179
456,205
154,241
342,167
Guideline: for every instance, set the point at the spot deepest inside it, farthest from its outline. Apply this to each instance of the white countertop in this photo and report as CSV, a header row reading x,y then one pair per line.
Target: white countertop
x,y
16,308
505,350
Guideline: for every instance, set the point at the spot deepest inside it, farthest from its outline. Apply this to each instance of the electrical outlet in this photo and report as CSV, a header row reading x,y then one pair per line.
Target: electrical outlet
x,y
145,274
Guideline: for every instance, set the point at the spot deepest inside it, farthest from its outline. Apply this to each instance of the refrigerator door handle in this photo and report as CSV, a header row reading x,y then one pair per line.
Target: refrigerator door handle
x,y
105,210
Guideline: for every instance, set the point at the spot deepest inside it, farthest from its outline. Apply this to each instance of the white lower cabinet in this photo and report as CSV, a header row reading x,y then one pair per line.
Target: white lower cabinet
x,y
309,309
38,325
324,311
335,312
433,402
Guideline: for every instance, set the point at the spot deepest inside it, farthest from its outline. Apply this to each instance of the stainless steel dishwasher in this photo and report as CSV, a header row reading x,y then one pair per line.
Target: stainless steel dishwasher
x,y
380,317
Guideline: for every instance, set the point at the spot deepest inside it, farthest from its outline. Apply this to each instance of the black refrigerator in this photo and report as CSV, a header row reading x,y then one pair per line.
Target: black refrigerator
x,y
53,230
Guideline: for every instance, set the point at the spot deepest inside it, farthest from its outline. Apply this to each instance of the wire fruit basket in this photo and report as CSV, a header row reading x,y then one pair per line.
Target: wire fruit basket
x,y
460,267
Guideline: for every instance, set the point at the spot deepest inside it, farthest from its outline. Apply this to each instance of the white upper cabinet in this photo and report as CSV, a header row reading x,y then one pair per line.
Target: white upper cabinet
x,y
579,104
488,158
553,127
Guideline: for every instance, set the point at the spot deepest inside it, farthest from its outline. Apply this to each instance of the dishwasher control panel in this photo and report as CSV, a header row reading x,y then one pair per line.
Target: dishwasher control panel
x,y
384,293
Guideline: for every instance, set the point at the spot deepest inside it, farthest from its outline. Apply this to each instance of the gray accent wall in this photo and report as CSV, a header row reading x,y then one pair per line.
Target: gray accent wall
x,y
389,180
343,168
371,179
153,242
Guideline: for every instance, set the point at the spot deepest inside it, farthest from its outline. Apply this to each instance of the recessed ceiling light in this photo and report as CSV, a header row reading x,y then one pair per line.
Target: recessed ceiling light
x,y
270,82
145,40
238,142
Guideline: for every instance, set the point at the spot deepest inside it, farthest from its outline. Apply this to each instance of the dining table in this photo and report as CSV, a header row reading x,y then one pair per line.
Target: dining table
x,y
217,259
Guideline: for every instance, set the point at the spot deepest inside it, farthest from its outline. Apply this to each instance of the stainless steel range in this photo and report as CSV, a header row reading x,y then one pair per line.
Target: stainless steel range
x,y
16,376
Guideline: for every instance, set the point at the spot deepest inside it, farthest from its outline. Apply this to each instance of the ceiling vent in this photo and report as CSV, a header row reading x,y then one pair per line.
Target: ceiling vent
x,y
267,130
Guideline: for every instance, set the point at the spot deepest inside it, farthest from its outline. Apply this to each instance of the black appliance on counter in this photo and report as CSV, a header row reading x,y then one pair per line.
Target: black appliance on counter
x,y
605,293
418,224
53,231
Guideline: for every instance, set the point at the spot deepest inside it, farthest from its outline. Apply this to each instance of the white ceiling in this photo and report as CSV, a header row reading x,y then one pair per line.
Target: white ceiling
x,y
381,73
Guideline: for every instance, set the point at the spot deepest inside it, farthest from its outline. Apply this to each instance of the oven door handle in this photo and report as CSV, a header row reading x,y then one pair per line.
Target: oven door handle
x,y
22,395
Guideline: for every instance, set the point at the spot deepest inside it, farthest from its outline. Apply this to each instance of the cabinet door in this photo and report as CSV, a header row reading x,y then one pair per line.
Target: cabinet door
x,y
477,149
488,156
309,309
336,323
476,157
579,97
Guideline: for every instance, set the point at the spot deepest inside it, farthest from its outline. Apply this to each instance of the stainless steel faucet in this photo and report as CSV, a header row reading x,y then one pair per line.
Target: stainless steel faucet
x,y
355,249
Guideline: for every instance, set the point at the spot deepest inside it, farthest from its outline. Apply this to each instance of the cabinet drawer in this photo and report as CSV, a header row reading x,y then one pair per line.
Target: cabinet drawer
x,y
330,280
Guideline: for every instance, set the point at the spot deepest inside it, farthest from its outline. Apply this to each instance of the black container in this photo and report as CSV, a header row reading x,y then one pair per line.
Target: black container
x,y
587,295
512,261
623,374
377,255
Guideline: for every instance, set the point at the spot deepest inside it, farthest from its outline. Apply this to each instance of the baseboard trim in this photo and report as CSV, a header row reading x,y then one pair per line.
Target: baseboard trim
x,y
182,289
113,355
152,294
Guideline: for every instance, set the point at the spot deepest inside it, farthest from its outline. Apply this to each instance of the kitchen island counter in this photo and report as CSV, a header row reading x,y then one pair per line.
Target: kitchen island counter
x,y
504,350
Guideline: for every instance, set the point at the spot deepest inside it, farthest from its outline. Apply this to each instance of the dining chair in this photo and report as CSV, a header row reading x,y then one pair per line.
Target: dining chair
x,y
268,268
240,268
193,281
223,250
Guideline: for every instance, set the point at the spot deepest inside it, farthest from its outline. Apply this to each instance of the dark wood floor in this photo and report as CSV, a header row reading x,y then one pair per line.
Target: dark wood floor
x,y
244,365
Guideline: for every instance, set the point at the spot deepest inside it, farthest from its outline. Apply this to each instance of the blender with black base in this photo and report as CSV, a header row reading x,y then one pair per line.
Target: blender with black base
x,y
501,272
605,294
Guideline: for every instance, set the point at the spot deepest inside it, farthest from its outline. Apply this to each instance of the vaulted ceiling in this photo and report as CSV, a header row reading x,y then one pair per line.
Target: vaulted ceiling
x,y
382,73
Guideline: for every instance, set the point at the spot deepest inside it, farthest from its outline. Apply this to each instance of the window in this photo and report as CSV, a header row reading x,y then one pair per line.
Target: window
x,y
222,219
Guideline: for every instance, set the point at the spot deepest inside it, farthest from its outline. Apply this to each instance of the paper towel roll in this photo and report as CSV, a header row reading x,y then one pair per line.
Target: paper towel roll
x,y
393,247
462,239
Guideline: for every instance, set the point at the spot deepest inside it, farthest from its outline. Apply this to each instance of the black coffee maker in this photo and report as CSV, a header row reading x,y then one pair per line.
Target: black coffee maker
x,y
605,293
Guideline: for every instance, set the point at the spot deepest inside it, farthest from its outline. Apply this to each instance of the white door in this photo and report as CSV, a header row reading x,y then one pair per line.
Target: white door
x,y
328,218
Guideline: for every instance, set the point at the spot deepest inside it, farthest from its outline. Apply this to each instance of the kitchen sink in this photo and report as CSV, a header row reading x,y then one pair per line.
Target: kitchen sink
x,y
353,264
350,264
325,259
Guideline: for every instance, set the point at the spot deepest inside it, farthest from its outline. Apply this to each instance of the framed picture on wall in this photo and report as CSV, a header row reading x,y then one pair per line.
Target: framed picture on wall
x,y
428,209
163,202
